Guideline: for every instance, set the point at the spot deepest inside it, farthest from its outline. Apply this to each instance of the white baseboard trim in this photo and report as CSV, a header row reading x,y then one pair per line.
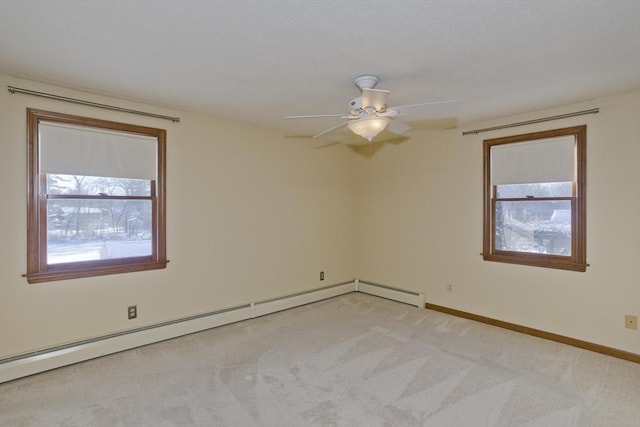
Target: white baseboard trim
x,y
33,363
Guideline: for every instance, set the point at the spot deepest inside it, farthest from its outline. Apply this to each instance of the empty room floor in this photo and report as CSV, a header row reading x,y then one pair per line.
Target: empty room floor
x,y
352,360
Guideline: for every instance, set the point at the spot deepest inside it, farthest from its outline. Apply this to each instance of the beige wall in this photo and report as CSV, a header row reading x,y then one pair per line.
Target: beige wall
x,y
251,215
420,228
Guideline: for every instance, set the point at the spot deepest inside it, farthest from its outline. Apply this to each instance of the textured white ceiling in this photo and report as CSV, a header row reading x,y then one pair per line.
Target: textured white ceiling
x,y
260,60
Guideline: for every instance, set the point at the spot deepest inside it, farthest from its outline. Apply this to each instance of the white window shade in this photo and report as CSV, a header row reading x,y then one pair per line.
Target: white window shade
x,y
544,160
75,150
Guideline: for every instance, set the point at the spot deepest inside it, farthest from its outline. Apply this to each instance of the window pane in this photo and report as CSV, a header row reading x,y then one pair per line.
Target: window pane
x,y
534,226
544,189
95,185
84,230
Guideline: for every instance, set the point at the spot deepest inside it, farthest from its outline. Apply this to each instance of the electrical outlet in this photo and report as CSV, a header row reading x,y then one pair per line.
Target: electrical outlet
x,y
133,311
322,275
630,322
450,287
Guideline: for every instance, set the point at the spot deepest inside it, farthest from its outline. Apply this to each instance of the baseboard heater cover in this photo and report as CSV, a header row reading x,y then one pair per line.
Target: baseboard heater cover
x,y
32,363
395,294
36,362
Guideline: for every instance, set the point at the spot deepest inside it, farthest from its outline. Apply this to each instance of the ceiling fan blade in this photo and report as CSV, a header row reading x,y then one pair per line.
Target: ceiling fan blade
x,y
428,110
314,116
397,127
330,129
376,98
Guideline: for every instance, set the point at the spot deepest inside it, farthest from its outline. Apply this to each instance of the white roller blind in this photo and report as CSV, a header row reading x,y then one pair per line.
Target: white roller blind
x,y
79,150
543,160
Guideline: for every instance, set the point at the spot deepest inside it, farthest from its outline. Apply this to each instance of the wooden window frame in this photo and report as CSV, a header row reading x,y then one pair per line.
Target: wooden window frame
x,y
577,261
38,270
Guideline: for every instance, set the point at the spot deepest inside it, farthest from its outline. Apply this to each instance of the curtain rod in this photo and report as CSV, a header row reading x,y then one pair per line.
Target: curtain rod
x,y
13,89
529,122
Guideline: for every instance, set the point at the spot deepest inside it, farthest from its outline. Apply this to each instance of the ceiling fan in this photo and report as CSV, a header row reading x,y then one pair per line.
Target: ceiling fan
x,y
369,114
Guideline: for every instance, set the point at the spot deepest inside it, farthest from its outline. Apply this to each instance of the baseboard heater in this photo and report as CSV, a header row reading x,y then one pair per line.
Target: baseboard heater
x,y
395,294
32,363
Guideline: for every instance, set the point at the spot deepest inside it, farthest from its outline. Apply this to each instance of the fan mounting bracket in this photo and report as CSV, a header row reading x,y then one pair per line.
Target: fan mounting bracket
x,y
366,81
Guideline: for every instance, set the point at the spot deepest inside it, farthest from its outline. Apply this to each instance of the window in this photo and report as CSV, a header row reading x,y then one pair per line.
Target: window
x,y
534,199
96,197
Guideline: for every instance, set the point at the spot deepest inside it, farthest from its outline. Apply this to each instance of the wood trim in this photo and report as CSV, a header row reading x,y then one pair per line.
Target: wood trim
x,y
620,354
535,260
38,270
578,259
94,197
33,229
49,276
160,193
580,195
487,203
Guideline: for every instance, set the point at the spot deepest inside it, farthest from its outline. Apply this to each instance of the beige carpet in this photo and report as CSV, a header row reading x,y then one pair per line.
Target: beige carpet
x,y
354,360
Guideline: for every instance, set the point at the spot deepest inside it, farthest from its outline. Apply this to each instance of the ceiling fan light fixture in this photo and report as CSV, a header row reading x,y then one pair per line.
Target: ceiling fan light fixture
x,y
368,128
